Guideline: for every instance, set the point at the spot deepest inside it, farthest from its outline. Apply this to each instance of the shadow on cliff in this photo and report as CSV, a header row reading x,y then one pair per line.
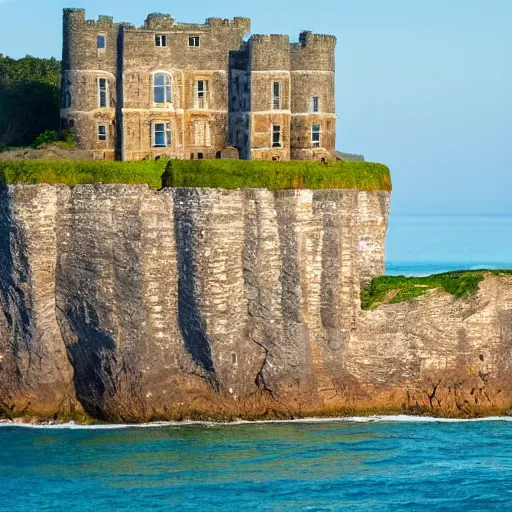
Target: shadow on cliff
x,y
14,277
189,316
91,356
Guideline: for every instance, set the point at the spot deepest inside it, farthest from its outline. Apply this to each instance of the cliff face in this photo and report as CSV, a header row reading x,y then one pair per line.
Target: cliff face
x,y
135,305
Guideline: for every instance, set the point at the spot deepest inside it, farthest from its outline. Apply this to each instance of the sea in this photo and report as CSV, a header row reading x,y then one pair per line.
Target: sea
x,y
391,463
423,245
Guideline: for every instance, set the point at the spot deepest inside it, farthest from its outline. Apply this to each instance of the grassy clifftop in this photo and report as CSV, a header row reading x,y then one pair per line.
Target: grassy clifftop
x,y
227,174
393,289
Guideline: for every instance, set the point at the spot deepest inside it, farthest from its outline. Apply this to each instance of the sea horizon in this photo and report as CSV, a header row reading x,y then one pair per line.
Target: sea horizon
x,y
419,245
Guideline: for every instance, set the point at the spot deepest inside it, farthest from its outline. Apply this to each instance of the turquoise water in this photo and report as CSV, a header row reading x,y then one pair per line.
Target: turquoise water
x,y
422,245
371,465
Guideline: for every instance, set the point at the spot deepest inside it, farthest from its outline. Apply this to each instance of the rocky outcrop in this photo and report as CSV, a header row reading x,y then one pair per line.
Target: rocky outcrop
x,y
134,305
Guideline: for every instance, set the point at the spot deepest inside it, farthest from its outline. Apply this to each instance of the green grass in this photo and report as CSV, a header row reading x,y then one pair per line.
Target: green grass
x,y
227,174
75,172
231,174
394,289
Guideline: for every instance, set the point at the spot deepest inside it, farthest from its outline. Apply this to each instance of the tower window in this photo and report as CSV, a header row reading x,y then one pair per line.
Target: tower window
x,y
102,132
315,104
276,136
103,93
276,95
193,41
101,42
201,91
160,40
162,88
315,135
161,135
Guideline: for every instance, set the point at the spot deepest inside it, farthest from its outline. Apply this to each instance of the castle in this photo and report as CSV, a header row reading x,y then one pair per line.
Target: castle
x,y
193,91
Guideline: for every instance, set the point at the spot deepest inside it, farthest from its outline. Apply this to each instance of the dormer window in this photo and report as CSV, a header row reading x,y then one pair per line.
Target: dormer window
x,y
162,88
102,42
315,104
160,40
193,41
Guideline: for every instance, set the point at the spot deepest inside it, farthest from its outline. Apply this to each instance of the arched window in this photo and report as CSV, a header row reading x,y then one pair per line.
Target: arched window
x,y
162,88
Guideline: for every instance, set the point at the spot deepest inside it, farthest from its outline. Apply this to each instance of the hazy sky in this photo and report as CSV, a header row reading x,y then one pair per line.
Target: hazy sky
x,y
423,86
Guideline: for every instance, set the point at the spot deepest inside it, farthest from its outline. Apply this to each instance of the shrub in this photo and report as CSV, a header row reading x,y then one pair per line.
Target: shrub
x,y
47,137
64,139
394,289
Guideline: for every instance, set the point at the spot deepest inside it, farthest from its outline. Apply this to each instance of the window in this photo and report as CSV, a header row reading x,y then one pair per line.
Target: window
x,y
193,41
160,40
315,104
161,135
315,135
102,42
276,95
162,88
102,92
202,133
276,136
102,132
201,91
67,100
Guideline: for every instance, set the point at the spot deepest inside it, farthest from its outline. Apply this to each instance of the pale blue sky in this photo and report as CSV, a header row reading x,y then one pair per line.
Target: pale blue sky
x,y
424,87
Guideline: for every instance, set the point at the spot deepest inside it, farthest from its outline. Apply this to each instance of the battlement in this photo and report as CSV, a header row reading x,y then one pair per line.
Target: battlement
x,y
277,39
307,38
158,21
239,23
165,22
77,16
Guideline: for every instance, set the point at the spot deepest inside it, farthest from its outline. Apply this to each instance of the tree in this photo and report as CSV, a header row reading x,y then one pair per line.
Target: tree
x,y
29,98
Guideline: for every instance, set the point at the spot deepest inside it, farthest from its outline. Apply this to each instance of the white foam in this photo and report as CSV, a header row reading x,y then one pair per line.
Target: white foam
x,y
178,424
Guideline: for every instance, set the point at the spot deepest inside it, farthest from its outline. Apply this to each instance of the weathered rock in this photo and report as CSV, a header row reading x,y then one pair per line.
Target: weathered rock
x,y
139,305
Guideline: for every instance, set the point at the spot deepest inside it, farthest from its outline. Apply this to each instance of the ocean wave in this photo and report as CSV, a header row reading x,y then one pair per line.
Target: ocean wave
x,y
177,424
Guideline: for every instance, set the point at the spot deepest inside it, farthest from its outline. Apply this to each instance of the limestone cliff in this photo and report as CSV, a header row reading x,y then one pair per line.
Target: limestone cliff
x,y
137,305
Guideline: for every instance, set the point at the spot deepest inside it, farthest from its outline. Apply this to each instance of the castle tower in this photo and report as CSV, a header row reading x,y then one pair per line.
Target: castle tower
x,y
312,103
270,97
89,81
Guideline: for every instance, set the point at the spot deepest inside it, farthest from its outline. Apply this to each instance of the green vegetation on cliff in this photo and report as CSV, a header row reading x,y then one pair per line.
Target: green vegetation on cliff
x,y
227,174
231,174
29,99
393,289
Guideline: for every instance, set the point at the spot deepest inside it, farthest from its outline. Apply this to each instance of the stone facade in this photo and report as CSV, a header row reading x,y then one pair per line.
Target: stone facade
x,y
178,90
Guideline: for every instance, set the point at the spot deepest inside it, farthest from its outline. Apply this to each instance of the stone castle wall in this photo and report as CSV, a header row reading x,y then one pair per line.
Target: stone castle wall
x,y
130,60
